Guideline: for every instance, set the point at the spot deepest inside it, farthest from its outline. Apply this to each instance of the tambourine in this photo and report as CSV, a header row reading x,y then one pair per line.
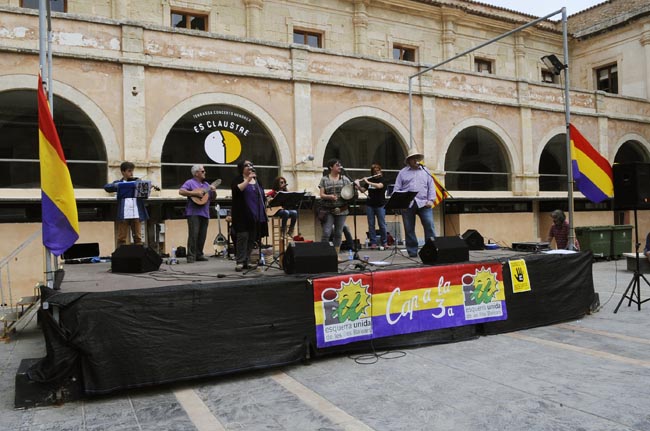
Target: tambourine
x,y
348,192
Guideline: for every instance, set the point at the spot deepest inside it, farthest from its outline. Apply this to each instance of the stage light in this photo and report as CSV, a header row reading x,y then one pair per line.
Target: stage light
x,y
307,158
553,63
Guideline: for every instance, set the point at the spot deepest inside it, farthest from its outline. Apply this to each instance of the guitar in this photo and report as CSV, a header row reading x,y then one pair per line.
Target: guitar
x,y
206,194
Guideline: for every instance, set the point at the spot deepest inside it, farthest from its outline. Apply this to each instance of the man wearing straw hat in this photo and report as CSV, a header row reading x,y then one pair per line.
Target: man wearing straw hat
x,y
413,178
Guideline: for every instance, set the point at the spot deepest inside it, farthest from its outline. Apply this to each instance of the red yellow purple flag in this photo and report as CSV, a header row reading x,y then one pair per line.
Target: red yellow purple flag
x,y
58,205
591,171
441,192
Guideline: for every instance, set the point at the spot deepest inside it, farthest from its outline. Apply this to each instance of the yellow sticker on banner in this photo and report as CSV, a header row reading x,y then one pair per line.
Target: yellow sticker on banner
x,y
519,276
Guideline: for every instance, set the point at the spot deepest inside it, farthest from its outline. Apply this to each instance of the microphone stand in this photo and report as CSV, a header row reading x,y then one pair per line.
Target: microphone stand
x,y
425,169
355,240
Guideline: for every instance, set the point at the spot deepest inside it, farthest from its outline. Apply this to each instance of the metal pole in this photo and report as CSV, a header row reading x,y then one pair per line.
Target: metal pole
x,y
563,11
567,116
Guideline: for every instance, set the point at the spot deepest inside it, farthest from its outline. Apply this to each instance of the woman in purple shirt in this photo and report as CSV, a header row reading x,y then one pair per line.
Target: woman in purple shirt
x,y
248,213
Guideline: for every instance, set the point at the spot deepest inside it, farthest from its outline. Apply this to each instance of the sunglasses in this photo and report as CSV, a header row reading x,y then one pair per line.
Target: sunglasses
x,y
248,165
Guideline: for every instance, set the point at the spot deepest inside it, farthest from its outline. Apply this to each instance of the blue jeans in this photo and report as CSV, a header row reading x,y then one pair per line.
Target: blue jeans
x,y
408,218
337,223
380,212
286,215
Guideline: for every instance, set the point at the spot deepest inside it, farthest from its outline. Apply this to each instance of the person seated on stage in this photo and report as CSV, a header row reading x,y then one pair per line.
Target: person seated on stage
x,y
646,249
130,209
375,184
560,231
280,185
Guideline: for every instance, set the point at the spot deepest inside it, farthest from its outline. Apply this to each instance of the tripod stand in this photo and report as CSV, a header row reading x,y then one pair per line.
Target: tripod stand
x,y
634,288
398,201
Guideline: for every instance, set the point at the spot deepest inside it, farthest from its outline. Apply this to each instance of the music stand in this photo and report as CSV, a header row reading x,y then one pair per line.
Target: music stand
x,y
398,201
287,200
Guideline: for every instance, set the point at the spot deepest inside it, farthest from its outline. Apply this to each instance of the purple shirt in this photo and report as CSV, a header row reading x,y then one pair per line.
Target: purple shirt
x,y
255,202
192,209
416,180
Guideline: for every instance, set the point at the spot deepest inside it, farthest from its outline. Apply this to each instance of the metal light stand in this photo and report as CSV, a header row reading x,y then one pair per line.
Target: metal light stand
x,y
634,288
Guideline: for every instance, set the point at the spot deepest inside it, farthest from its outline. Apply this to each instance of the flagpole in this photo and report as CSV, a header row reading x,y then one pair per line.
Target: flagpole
x,y
567,116
45,69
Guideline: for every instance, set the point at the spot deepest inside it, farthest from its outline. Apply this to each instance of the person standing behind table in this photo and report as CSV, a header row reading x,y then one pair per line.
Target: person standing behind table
x,y
560,231
280,185
376,188
130,210
198,214
249,219
413,178
335,207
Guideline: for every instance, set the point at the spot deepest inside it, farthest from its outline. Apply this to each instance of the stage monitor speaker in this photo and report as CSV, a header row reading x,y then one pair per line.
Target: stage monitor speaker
x,y
310,258
81,250
474,239
135,258
631,186
444,249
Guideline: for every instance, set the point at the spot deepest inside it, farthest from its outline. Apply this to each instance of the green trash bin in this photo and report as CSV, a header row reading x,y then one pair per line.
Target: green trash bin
x,y
621,240
598,239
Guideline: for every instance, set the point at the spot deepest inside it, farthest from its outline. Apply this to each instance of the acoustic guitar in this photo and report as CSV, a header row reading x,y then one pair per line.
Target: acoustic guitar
x,y
206,194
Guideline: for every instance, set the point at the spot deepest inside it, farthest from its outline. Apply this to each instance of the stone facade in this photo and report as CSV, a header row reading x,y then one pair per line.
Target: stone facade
x,y
134,75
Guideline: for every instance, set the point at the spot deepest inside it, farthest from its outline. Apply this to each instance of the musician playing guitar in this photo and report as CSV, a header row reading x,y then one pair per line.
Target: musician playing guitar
x,y
199,194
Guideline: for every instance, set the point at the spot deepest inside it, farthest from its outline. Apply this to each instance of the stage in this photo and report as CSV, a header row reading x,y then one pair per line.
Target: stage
x,y
192,321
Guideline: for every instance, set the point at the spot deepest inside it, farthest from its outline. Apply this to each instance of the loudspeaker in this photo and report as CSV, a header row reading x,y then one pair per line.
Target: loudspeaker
x,y
444,249
474,240
135,258
631,186
310,258
78,251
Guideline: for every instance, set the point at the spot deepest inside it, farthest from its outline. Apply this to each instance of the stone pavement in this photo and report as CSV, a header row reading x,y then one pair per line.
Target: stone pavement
x,y
591,374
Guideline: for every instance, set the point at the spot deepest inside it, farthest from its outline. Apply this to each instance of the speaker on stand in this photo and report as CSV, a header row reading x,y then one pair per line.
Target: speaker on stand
x,y
632,192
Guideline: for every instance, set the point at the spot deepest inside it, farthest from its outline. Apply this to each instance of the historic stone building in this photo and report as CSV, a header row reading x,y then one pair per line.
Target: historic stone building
x,y
170,83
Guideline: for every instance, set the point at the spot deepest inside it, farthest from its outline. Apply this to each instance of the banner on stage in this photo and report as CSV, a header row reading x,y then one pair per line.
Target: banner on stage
x,y
359,307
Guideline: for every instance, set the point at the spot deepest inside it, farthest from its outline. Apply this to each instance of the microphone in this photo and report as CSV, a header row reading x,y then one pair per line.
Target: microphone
x,y
252,169
307,158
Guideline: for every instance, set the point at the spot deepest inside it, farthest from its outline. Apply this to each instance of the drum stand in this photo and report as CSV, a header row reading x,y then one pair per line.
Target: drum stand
x,y
634,288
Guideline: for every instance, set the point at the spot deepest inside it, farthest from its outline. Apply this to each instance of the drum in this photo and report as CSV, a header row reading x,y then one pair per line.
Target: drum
x,y
348,192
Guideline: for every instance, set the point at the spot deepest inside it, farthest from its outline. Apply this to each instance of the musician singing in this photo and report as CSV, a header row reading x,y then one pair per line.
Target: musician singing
x,y
333,209
285,214
199,194
375,184
130,209
248,213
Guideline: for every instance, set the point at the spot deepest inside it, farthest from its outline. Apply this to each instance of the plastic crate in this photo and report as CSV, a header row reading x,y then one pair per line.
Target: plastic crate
x,y
621,239
598,239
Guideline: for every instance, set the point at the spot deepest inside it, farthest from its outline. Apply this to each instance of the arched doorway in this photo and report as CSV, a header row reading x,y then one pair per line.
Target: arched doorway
x,y
82,144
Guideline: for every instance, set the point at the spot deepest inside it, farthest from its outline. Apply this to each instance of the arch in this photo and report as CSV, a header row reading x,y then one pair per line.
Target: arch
x,y
560,130
176,112
85,104
512,158
644,148
361,111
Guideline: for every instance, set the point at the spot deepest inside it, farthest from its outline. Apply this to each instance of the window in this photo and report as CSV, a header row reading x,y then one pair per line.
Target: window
x,y
189,20
19,162
548,77
403,53
482,66
607,79
315,40
55,5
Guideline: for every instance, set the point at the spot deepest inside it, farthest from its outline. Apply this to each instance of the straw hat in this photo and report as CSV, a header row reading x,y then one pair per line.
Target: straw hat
x,y
414,153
